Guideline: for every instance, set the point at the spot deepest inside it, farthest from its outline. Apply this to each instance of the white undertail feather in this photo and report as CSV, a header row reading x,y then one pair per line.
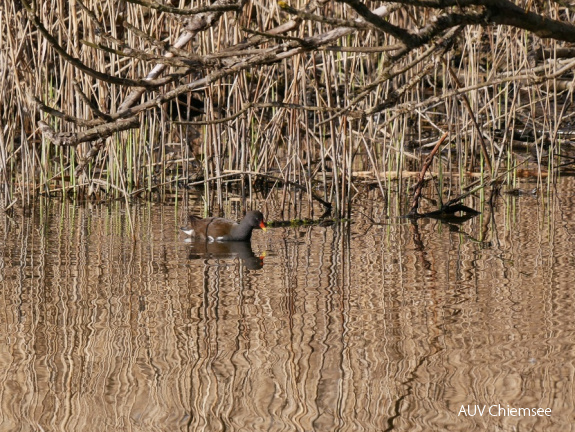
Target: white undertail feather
x,y
188,231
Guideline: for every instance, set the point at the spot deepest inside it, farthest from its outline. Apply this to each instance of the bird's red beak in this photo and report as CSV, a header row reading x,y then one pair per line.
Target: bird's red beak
x,y
263,225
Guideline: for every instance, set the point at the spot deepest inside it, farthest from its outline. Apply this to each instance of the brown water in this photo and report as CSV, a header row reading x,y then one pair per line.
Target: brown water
x,y
344,328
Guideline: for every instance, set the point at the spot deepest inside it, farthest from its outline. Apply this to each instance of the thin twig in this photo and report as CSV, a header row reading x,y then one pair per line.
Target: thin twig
x,y
420,181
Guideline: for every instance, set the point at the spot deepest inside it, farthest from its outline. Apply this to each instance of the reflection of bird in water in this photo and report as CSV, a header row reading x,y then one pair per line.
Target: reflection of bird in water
x,y
224,230
227,250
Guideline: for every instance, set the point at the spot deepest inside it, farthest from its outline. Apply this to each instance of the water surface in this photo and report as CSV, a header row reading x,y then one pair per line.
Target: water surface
x,y
350,327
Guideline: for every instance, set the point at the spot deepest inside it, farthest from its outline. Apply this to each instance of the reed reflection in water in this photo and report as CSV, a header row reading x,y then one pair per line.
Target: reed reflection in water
x,y
349,327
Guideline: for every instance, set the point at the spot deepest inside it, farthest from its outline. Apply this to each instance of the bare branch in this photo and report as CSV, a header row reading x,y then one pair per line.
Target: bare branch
x,y
33,100
504,12
186,12
77,63
326,20
403,35
197,24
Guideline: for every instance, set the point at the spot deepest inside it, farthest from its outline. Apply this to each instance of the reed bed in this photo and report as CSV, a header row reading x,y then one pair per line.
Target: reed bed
x,y
325,121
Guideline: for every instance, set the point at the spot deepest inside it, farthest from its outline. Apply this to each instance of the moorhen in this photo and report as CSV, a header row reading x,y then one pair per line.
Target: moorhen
x,y
219,229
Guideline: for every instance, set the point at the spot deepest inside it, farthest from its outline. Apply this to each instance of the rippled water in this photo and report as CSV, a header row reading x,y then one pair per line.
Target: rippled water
x,y
361,327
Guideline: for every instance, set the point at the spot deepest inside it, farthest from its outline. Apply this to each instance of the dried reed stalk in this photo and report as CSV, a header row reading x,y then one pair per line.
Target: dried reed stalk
x,y
310,93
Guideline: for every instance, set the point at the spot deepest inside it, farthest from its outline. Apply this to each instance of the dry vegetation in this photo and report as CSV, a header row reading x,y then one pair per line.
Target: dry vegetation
x,y
135,99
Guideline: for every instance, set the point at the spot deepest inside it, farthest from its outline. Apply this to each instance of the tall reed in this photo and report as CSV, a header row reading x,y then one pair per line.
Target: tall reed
x,y
301,120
